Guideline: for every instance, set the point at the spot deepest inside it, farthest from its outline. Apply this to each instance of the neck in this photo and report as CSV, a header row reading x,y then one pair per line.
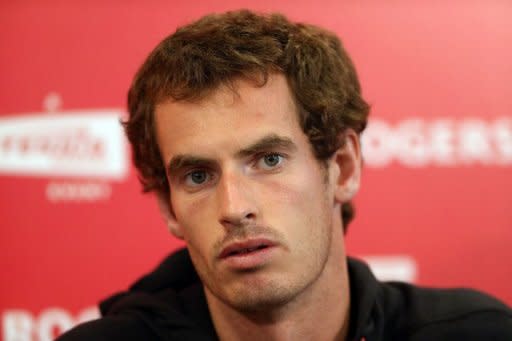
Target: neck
x,y
320,312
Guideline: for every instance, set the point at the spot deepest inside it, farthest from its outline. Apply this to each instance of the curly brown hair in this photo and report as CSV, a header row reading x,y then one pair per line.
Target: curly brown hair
x,y
220,48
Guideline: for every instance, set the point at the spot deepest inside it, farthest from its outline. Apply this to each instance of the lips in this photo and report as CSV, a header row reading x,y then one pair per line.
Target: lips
x,y
245,248
249,254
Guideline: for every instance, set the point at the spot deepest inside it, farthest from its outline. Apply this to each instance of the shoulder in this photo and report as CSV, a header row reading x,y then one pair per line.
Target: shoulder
x,y
438,314
477,325
120,327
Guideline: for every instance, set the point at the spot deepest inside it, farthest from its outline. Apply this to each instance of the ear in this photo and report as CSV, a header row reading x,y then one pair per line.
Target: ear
x,y
164,205
346,167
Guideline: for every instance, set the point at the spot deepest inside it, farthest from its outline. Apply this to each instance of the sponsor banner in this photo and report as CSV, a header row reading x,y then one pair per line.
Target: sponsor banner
x,y
393,268
74,144
419,142
22,325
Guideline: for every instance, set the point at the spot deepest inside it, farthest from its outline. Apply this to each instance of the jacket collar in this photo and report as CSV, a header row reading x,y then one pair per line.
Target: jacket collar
x,y
364,289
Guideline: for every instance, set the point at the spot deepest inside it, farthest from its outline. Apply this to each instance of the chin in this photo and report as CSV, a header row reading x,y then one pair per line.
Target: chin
x,y
261,297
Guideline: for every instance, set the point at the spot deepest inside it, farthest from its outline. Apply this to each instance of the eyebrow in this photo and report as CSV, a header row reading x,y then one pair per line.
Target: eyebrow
x,y
266,143
187,161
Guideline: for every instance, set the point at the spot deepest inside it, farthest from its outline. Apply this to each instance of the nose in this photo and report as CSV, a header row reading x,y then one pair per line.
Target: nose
x,y
236,203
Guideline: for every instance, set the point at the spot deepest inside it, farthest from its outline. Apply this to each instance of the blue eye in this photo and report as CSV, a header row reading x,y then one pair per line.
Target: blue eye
x,y
269,161
196,178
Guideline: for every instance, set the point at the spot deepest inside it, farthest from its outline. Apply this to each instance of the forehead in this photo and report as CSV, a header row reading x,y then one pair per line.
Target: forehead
x,y
228,118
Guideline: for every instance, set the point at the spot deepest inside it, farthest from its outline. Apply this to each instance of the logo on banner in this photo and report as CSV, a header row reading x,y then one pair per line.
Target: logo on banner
x,y
83,144
87,148
402,268
418,142
23,325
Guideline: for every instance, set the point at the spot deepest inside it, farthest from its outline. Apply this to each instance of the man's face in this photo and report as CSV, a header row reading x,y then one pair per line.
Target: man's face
x,y
254,206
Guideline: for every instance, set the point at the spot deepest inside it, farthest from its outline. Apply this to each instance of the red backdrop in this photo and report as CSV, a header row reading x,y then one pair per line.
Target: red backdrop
x,y
435,204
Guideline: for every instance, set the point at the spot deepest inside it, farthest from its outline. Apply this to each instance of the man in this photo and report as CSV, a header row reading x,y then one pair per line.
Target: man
x,y
247,128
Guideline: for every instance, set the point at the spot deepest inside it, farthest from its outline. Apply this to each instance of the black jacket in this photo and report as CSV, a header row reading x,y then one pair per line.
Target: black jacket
x,y
169,304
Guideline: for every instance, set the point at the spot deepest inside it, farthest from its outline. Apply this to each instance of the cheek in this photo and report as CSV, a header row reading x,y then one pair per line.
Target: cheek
x,y
190,210
299,205
297,188
198,224
295,206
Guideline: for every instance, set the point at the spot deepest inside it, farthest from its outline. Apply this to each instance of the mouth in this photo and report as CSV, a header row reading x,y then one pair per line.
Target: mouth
x,y
245,248
248,254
